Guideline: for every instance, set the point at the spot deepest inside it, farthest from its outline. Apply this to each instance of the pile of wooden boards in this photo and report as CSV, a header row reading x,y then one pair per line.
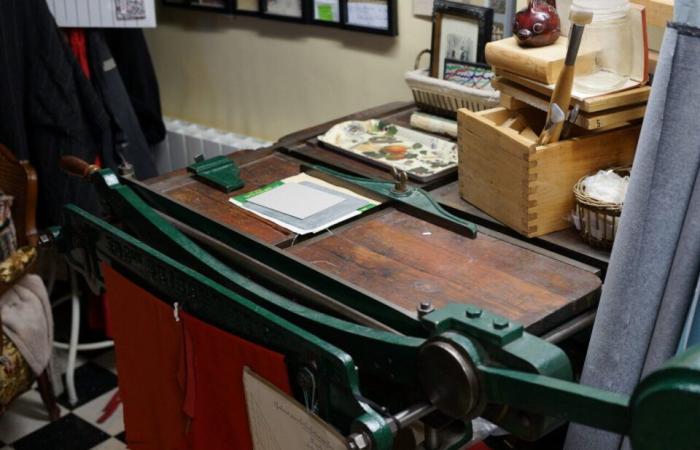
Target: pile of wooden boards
x,y
525,78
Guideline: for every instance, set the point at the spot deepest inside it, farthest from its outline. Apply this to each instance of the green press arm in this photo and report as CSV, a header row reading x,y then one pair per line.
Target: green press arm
x,y
460,361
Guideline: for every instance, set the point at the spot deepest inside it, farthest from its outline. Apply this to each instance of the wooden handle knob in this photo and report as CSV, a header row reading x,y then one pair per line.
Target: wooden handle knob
x,y
77,167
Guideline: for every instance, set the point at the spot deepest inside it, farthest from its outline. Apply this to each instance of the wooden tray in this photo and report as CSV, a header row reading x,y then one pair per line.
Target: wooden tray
x,y
387,166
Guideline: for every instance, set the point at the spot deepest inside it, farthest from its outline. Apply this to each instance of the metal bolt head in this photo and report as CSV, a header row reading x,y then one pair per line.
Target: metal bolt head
x,y
500,324
425,308
474,313
359,441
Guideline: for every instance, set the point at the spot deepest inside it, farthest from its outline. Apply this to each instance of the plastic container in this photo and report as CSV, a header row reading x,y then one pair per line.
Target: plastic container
x,y
611,34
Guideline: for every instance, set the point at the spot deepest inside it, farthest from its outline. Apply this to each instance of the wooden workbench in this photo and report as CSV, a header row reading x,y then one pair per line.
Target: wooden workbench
x,y
404,260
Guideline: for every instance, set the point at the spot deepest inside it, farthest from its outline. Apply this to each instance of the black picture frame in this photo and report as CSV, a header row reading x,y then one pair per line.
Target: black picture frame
x,y
227,7
244,12
327,23
481,15
304,18
392,28
231,8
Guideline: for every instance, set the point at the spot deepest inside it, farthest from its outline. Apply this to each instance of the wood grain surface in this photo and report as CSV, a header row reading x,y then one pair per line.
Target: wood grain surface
x,y
406,260
268,168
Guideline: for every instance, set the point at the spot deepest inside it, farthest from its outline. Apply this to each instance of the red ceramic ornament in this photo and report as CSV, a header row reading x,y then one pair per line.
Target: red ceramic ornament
x,y
538,24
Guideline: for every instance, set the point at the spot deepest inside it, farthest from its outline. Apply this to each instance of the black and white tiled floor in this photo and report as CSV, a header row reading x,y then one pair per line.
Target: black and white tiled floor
x,y
25,425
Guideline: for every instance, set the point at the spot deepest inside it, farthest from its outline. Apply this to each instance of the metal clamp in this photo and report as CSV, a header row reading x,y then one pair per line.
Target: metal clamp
x,y
219,172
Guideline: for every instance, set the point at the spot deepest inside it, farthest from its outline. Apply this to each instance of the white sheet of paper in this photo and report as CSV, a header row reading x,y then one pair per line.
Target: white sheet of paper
x,y
296,200
369,15
278,422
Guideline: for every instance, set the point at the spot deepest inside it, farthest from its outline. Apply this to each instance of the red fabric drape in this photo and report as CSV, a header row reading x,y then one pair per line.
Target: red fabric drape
x,y
181,382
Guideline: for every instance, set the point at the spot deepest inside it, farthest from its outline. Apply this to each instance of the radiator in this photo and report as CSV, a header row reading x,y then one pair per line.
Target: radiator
x,y
185,140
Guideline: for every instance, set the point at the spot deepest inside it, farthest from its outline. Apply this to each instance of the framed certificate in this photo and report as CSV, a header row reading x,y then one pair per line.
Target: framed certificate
x,y
326,11
284,9
247,6
376,16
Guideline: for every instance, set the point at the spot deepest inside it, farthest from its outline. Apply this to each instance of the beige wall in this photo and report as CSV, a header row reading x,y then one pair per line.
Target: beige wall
x,y
268,78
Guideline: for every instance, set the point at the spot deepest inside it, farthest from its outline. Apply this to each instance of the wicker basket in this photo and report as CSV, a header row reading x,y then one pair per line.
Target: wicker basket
x,y
444,98
597,221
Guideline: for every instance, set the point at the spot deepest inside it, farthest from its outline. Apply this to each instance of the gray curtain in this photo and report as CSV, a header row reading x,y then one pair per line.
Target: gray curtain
x,y
655,264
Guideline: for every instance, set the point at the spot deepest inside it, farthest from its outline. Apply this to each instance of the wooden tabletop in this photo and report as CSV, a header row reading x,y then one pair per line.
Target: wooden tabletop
x,y
406,261
399,258
566,242
258,169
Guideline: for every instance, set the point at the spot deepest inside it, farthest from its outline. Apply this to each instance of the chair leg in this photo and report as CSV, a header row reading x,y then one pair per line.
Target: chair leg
x,y
48,396
73,343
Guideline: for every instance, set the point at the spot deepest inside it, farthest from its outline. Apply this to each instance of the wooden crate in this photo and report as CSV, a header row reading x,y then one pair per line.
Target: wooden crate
x,y
528,187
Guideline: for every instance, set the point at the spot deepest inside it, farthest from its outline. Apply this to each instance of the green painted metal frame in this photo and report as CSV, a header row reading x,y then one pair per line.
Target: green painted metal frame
x,y
529,376
219,172
418,200
359,300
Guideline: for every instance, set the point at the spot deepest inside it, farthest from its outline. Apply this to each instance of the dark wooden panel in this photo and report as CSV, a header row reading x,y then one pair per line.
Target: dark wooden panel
x,y
406,260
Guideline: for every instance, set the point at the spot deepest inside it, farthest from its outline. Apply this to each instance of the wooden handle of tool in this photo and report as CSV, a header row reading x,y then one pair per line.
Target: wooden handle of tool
x,y
562,97
77,167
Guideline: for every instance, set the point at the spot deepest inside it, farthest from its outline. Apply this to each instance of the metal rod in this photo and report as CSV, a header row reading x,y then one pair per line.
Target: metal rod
x,y
558,398
284,281
570,328
408,416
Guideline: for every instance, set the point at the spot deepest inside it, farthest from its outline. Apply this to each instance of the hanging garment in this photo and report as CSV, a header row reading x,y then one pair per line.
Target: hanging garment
x,y
130,143
181,380
48,107
78,44
130,51
654,267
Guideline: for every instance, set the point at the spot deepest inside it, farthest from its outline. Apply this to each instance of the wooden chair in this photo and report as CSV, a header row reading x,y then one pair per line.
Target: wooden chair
x,y
19,179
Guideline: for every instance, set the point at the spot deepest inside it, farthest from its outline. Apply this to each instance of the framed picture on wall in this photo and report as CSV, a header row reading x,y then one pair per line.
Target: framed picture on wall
x,y
460,34
377,16
247,6
503,15
288,9
326,11
222,6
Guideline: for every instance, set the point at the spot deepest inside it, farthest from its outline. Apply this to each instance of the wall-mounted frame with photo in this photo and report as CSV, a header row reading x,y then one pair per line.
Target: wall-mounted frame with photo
x,y
246,7
370,16
374,16
221,6
291,10
460,34
327,12
503,15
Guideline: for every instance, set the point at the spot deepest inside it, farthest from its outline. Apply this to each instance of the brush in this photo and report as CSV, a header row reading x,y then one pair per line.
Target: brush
x,y
554,119
579,17
570,122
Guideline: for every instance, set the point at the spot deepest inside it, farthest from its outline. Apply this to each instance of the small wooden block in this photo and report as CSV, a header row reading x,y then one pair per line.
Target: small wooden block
x,y
542,63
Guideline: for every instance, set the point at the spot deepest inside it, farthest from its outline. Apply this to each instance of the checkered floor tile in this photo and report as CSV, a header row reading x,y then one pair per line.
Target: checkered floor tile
x,y
25,425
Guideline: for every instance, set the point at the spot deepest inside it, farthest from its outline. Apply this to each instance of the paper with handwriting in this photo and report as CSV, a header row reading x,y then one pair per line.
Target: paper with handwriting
x,y
278,422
